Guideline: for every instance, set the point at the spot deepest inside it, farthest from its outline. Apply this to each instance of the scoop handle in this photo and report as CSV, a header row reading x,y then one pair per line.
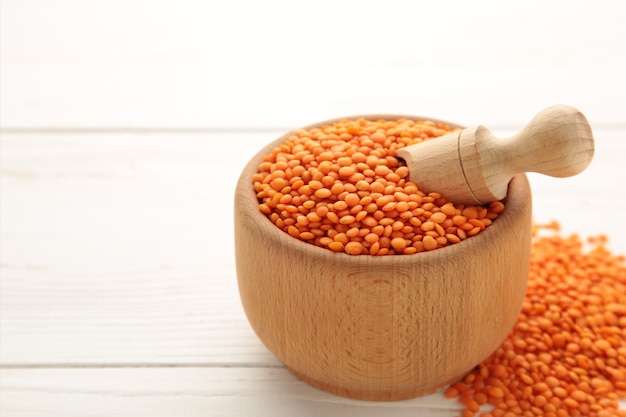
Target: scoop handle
x,y
557,142
473,166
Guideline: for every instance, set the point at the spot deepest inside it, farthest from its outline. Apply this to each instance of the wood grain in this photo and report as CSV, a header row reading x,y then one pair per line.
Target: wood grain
x,y
111,242
189,391
473,166
381,328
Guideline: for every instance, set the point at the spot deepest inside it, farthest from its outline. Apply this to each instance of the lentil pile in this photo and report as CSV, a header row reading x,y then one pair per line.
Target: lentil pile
x,y
566,355
342,188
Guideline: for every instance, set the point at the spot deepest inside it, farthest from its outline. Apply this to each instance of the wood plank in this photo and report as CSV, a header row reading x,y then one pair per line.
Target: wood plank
x,y
112,254
191,392
122,244
205,64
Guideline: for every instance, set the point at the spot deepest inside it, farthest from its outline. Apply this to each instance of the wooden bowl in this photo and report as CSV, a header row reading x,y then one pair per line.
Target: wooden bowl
x,y
381,327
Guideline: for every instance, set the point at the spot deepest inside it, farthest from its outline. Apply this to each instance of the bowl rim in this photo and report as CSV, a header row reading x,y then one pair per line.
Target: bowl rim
x,y
518,198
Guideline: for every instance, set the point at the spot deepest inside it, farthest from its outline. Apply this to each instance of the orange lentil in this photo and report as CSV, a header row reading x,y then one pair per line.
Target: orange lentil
x,y
495,392
353,248
429,243
352,199
438,217
346,171
347,220
451,392
398,243
336,246
322,182
472,405
563,356
427,226
323,193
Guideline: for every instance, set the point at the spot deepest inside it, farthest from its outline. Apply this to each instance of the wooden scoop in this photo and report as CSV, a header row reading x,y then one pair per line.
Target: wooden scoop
x,y
472,166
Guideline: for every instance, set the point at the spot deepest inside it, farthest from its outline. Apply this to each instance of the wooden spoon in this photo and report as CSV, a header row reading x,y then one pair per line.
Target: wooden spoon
x,y
472,166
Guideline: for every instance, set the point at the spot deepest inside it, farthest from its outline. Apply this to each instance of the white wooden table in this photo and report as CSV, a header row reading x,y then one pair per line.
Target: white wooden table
x,y
124,127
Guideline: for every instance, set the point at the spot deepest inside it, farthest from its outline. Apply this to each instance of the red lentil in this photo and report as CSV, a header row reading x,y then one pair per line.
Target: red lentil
x,y
566,355
325,181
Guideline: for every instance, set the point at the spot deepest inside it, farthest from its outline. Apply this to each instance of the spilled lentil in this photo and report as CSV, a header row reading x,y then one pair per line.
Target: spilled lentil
x,y
341,187
566,355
